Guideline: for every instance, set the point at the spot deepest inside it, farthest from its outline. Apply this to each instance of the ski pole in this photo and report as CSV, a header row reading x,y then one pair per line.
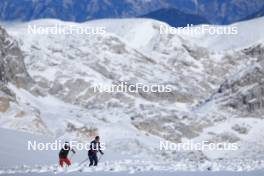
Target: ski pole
x,y
83,161
100,157
71,156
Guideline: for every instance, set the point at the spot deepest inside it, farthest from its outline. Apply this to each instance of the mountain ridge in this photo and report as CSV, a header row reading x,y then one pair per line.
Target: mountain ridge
x,y
216,80
215,11
175,17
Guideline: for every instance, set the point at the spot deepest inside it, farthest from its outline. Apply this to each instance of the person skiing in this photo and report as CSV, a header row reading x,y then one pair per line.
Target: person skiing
x,y
92,153
63,155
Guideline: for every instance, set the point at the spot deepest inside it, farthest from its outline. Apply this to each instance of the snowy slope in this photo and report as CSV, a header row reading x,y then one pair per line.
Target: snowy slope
x,y
45,162
248,33
207,74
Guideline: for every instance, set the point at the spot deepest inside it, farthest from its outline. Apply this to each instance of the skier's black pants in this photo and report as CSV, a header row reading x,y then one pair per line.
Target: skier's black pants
x,y
93,159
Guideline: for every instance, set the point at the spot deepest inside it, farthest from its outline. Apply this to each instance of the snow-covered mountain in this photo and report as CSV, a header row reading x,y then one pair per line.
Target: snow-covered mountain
x,y
77,10
216,81
13,72
257,14
175,17
227,11
215,11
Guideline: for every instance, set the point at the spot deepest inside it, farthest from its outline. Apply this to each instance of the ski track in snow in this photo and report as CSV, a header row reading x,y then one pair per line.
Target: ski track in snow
x,y
142,167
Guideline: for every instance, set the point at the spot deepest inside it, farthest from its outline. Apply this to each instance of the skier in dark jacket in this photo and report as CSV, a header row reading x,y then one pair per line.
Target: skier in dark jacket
x,y
63,155
94,148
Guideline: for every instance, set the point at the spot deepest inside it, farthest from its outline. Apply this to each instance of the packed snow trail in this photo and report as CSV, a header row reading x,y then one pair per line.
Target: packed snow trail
x,y
149,173
19,161
136,167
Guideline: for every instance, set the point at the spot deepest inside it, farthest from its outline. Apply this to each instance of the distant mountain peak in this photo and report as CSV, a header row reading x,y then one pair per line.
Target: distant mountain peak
x,y
176,18
215,11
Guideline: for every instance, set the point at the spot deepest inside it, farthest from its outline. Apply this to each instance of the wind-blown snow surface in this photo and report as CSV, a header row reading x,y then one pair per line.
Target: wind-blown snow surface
x,y
248,34
204,103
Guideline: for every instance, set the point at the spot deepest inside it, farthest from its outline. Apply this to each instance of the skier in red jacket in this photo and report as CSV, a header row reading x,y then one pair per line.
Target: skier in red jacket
x,y
63,155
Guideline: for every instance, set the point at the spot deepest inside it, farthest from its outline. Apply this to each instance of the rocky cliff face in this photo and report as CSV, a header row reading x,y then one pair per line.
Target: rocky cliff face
x,y
12,67
10,61
13,73
245,90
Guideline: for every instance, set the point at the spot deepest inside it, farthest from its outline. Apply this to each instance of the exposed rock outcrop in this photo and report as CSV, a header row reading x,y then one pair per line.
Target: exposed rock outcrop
x,y
13,71
12,67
